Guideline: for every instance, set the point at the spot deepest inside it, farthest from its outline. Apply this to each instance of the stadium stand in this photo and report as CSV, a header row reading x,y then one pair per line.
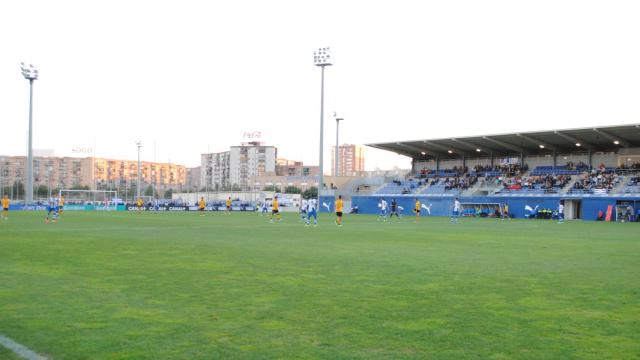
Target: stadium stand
x,y
409,186
590,169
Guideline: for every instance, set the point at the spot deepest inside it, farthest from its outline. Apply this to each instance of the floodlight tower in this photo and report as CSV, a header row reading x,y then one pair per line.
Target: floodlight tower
x,y
322,57
337,152
49,171
30,73
139,144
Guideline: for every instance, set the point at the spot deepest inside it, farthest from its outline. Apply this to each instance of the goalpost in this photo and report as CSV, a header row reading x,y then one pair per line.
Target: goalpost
x,y
82,199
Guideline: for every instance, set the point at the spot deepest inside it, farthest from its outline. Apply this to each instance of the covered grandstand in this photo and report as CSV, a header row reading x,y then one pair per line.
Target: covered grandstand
x,y
595,171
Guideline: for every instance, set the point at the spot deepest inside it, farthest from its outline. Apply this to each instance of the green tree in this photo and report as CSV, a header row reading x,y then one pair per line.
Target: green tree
x,y
271,188
310,193
292,190
42,191
18,188
148,191
235,187
168,194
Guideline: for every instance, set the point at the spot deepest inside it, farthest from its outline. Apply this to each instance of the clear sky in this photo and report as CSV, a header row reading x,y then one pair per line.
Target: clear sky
x,y
193,76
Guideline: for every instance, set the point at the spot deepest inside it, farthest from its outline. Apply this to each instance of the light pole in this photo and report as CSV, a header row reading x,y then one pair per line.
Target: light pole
x,y
49,170
322,57
139,144
337,152
30,73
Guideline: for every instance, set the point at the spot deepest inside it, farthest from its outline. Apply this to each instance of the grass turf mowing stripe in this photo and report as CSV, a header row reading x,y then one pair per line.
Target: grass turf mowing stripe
x,y
20,349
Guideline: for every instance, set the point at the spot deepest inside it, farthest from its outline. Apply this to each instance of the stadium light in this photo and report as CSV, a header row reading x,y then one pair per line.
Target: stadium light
x,y
337,153
541,146
322,57
478,150
578,144
616,142
30,73
139,144
423,153
450,151
49,170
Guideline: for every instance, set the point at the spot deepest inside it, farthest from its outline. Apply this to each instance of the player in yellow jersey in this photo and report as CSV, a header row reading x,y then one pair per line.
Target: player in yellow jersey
x,y
339,208
139,204
416,209
201,206
505,212
60,205
5,207
275,209
228,203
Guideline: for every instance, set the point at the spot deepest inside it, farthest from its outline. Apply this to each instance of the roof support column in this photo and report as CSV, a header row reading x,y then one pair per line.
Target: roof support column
x,y
555,159
437,162
590,160
492,161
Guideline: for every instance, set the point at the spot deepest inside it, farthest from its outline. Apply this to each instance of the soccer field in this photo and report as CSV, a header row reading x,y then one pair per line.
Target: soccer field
x,y
179,286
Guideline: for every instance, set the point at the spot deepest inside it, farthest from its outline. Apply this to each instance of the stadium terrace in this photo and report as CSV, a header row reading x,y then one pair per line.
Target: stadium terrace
x,y
594,172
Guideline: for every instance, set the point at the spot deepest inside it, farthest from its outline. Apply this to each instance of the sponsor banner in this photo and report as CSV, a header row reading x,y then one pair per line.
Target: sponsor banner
x,y
185,208
67,207
86,207
21,207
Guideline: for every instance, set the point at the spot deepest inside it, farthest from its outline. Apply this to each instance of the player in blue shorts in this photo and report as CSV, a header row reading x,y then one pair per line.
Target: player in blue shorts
x,y
383,209
52,211
303,209
561,212
455,213
311,212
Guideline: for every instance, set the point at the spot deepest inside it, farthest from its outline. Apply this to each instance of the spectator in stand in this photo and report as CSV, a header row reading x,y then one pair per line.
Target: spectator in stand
x,y
600,178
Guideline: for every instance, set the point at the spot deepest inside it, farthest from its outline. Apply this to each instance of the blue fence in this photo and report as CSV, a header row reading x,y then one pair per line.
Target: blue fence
x,y
519,207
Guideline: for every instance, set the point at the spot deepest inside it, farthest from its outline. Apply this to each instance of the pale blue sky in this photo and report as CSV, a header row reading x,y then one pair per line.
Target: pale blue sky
x,y
193,76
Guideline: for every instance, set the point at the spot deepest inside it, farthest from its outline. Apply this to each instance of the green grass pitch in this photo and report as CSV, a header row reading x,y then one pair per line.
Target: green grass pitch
x,y
179,286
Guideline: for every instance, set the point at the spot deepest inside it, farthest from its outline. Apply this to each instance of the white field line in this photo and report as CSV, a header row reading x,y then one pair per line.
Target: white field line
x,y
19,349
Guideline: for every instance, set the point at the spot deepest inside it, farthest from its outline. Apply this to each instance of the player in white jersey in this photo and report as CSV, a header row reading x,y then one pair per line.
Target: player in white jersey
x,y
311,212
561,212
383,209
455,213
303,209
265,207
52,210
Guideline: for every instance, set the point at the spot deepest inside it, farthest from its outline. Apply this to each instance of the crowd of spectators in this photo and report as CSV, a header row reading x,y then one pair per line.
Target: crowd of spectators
x,y
510,177
503,168
634,166
634,181
456,170
545,182
599,178
460,182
